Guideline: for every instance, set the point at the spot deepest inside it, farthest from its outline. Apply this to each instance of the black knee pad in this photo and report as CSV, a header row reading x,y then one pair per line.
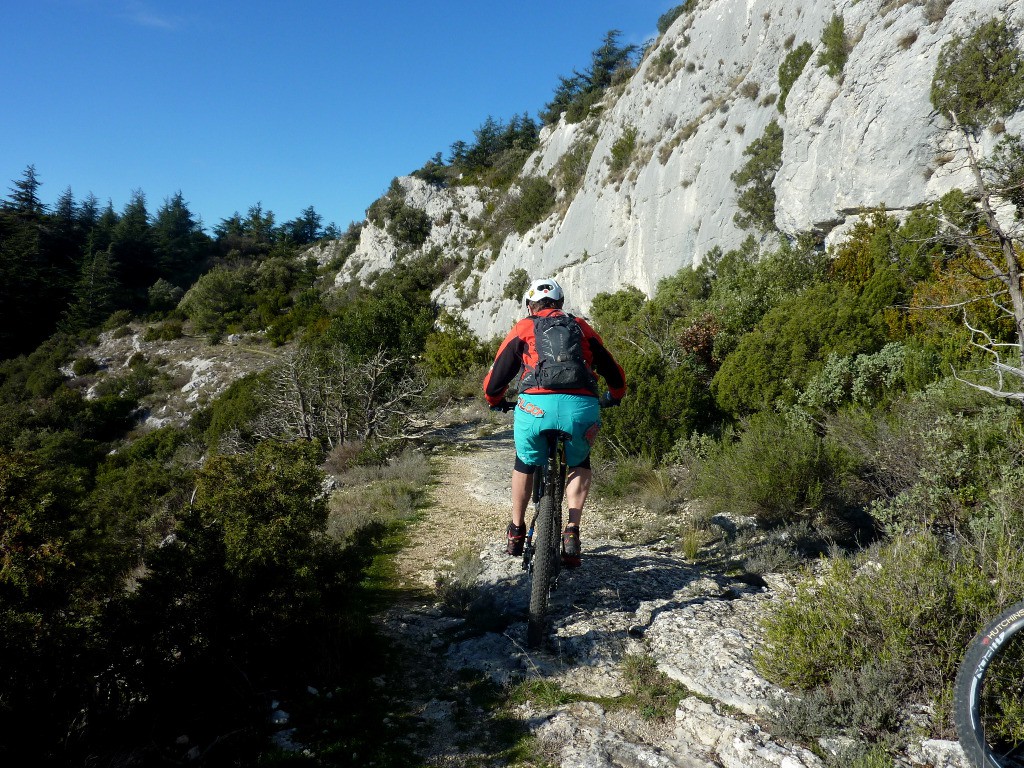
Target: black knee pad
x,y
526,469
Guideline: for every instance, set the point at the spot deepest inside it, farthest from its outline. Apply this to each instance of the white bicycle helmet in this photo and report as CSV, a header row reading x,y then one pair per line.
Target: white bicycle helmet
x,y
545,288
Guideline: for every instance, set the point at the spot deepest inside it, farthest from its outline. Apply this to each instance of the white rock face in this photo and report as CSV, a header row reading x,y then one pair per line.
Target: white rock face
x,y
857,141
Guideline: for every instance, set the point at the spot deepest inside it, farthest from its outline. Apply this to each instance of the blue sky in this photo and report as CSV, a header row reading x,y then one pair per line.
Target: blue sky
x,y
289,104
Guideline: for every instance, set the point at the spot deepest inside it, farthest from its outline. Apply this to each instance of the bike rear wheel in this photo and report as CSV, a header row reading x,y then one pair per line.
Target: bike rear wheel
x,y
989,695
547,553
543,571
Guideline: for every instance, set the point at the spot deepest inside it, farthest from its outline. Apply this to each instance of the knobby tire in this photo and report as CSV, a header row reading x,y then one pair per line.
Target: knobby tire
x,y
988,699
547,555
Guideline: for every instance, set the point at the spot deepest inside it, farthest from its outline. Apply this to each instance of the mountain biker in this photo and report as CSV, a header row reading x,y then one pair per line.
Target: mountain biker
x,y
556,356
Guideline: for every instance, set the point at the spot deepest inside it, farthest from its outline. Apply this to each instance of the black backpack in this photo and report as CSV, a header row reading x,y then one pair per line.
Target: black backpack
x,y
560,361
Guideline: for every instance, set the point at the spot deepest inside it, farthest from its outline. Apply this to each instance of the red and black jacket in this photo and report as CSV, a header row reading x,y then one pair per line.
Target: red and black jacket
x,y
518,356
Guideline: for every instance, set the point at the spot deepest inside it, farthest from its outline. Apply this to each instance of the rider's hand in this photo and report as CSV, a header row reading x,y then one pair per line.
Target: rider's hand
x,y
607,401
504,406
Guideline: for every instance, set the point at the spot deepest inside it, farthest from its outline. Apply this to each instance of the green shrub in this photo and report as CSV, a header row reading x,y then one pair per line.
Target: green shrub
x,y
581,107
863,379
452,349
661,64
743,284
164,295
790,69
866,706
168,331
572,166
84,365
790,344
756,201
836,46
516,285
668,17
530,205
933,459
778,471
218,299
656,696
911,604
981,77
666,402
118,319
622,151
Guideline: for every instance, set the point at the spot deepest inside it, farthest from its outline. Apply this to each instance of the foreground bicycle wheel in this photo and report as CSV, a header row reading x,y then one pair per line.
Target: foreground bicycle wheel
x,y
989,695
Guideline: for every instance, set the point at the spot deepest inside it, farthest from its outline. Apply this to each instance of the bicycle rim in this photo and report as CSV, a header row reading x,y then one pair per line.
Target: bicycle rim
x,y
989,695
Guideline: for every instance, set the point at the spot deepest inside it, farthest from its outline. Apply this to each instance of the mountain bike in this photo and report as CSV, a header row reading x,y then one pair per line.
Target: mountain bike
x,y
988,699
542,552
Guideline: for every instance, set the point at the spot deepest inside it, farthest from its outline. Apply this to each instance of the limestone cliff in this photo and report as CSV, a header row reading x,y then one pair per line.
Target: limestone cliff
x,y
705,90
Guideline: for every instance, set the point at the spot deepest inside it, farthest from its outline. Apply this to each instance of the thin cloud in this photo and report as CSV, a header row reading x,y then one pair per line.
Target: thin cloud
x,y
146,16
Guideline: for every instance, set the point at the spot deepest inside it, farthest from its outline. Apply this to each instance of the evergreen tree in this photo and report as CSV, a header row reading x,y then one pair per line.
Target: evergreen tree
x,y
24,198
305,228
96,294
578,93
101,233
132,249
260,226
609,59
179,244
22,280
88,214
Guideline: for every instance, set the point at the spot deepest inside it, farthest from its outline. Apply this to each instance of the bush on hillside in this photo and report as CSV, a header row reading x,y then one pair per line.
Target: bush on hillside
x,y
572,166
779,471
218,299
516,285
622,152
452,349
790,69
980,77
913,602
530,205
668,17
667,401
931,460
835,46
756,201
790,345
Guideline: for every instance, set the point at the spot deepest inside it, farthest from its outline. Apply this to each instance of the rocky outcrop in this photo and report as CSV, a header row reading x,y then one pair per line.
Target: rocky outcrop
x,y
705,90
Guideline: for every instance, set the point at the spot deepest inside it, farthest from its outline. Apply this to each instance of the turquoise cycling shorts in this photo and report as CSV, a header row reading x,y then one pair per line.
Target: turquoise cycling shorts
x,y
579,415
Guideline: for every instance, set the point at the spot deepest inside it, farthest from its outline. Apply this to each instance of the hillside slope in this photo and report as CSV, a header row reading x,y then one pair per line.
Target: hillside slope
x,y
635,601
657,193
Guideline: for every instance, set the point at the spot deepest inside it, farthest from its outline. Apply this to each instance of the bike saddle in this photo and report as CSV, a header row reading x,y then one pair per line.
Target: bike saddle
x,y
556,433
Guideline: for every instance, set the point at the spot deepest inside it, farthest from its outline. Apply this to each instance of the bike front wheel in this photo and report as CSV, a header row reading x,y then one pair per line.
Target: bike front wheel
x,y
989,695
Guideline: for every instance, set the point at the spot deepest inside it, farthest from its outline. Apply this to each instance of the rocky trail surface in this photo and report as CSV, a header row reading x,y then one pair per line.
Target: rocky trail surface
x,y
628,600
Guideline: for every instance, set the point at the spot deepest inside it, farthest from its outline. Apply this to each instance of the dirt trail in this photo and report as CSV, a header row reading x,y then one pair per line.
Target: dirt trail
x,y
469,511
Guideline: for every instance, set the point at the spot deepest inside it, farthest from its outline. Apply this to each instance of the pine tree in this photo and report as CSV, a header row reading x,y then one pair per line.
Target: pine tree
x,y
132,249
179,244
96,293
24,198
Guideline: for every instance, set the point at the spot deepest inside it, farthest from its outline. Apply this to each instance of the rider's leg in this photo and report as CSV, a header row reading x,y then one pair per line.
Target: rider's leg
x,y
577,486
522,487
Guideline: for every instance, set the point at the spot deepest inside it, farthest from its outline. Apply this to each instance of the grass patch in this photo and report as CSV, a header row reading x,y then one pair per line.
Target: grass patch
x,y
653,694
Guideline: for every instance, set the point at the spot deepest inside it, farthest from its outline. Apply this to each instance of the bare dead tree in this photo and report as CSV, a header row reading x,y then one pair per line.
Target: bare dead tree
x,y
391,396
328,395
996,251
